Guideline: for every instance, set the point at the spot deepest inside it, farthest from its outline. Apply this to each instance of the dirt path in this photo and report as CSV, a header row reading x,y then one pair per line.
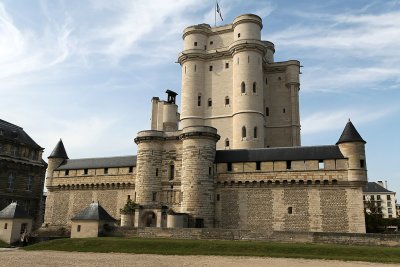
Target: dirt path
x,y
57,258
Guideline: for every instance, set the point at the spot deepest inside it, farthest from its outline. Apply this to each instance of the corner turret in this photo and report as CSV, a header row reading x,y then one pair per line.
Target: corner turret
x,y
352,146
57,156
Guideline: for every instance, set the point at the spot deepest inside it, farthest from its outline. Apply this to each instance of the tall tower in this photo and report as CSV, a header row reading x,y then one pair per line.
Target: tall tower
x,y
231,82
247,90
56,158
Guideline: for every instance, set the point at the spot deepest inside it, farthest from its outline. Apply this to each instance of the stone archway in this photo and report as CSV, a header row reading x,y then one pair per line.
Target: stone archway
x,y
149,219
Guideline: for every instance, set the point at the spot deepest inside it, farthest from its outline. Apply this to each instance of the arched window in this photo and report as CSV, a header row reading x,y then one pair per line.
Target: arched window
x,y
226,100
199,100
243,132
226,142
254,87
255,132
243,87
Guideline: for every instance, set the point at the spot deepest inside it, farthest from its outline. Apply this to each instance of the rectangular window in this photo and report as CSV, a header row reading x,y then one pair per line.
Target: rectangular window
x,y
78,228
218,197
389,203
171,172
195,43
85,171
66,172
372,197
229,166
321,164
362,163
209,170
14,151
288,164
130,169
227,101
390,210
5,226
226,65
29,183
290,210
210,68
199,100
11,178
258,165
211,42
209,102
156,171
154,196
105,170
388,197
378,197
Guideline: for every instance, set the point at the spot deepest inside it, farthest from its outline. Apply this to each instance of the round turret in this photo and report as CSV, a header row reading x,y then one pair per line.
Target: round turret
x,y
195,37
352,147
247,26
149,156
197,185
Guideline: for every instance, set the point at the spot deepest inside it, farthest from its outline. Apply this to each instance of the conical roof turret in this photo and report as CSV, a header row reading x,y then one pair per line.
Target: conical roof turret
x,y
350,134
59,151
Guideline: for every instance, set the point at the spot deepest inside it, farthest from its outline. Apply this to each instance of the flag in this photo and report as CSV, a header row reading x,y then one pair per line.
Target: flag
x,y
219,12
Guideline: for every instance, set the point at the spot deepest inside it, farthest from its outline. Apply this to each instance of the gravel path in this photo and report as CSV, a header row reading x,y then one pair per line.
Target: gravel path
x,y
20,258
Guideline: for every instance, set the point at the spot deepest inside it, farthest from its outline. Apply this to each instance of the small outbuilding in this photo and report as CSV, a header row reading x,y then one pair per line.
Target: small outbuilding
x,y
91,222
14,221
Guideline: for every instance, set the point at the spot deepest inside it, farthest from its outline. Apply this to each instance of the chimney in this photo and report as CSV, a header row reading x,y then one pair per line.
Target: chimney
x,y
386,184
381,184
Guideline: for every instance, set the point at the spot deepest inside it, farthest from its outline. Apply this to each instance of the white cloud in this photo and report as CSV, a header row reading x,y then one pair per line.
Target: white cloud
x,y
325,121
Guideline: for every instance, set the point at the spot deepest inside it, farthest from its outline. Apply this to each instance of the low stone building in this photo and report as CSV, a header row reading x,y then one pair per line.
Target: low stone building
x,y
91,222
377,194
14,221
22,170
232,159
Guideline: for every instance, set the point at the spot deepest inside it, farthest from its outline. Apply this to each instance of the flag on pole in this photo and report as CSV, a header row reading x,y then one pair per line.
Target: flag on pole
x,y
219,12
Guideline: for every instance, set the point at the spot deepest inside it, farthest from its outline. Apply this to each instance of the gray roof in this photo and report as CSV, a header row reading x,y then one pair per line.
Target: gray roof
x,y
93,163
14,211
372,187
94,212
350,134
14,133
59,151
279,153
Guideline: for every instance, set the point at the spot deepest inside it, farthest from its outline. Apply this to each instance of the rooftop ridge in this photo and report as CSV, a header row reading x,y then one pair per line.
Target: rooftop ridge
x,y
113,157
9,124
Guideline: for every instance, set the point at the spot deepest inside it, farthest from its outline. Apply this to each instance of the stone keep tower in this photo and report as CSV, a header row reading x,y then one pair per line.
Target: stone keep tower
x,y
231,82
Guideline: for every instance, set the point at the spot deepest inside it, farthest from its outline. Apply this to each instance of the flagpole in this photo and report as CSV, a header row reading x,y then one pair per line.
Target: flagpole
x,y
215,14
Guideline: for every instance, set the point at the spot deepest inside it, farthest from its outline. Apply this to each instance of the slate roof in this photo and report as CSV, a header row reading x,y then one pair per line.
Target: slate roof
x,y
14,133
279,153
350,134
373,187
94,212
93,163
59,151
14,211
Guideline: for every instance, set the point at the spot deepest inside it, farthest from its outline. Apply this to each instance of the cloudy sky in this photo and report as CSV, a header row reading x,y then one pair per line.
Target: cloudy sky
x,y
85,71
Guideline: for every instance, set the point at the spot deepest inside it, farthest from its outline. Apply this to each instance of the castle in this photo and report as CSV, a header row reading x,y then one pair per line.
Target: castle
x,y
231,159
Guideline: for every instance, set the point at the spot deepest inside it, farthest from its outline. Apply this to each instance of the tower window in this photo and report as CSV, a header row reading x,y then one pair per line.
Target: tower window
x,y
266,80
289,210
258,165
199,100
171,171
131,169
226,100
218,198
195,43
362,163
210,68
66,172
321,164
243,132
227,142
267,111
209,170
227,65
238,35
209,102
229,166
243,87
156,171
284,110
105,170
205,47
78,228
85,171
195,68
255,132
254,87
211,42
154,196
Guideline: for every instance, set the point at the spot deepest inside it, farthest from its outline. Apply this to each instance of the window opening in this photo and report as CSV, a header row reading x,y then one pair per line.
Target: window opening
x,y
362,163
243,88
255,132
243,132
321,164
85,171
66,172
267,111
171,172
209,170
199,100
226,142
195,43
156,171
131,169
288,164
258,165
78,229
290,210
226,100
218,197
226,65
210,68
209,102
154,196
105,170
266,80
284,110
229,166
211,42
238,35
254,87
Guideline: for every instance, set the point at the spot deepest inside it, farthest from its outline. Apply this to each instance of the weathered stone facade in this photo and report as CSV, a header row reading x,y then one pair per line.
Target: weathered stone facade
x,y
235,162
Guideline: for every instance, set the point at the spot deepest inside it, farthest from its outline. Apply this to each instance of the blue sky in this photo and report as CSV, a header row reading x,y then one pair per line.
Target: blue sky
x,y
85,71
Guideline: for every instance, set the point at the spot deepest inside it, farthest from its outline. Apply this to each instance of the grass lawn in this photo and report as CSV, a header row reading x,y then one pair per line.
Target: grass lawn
x,y
223,248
